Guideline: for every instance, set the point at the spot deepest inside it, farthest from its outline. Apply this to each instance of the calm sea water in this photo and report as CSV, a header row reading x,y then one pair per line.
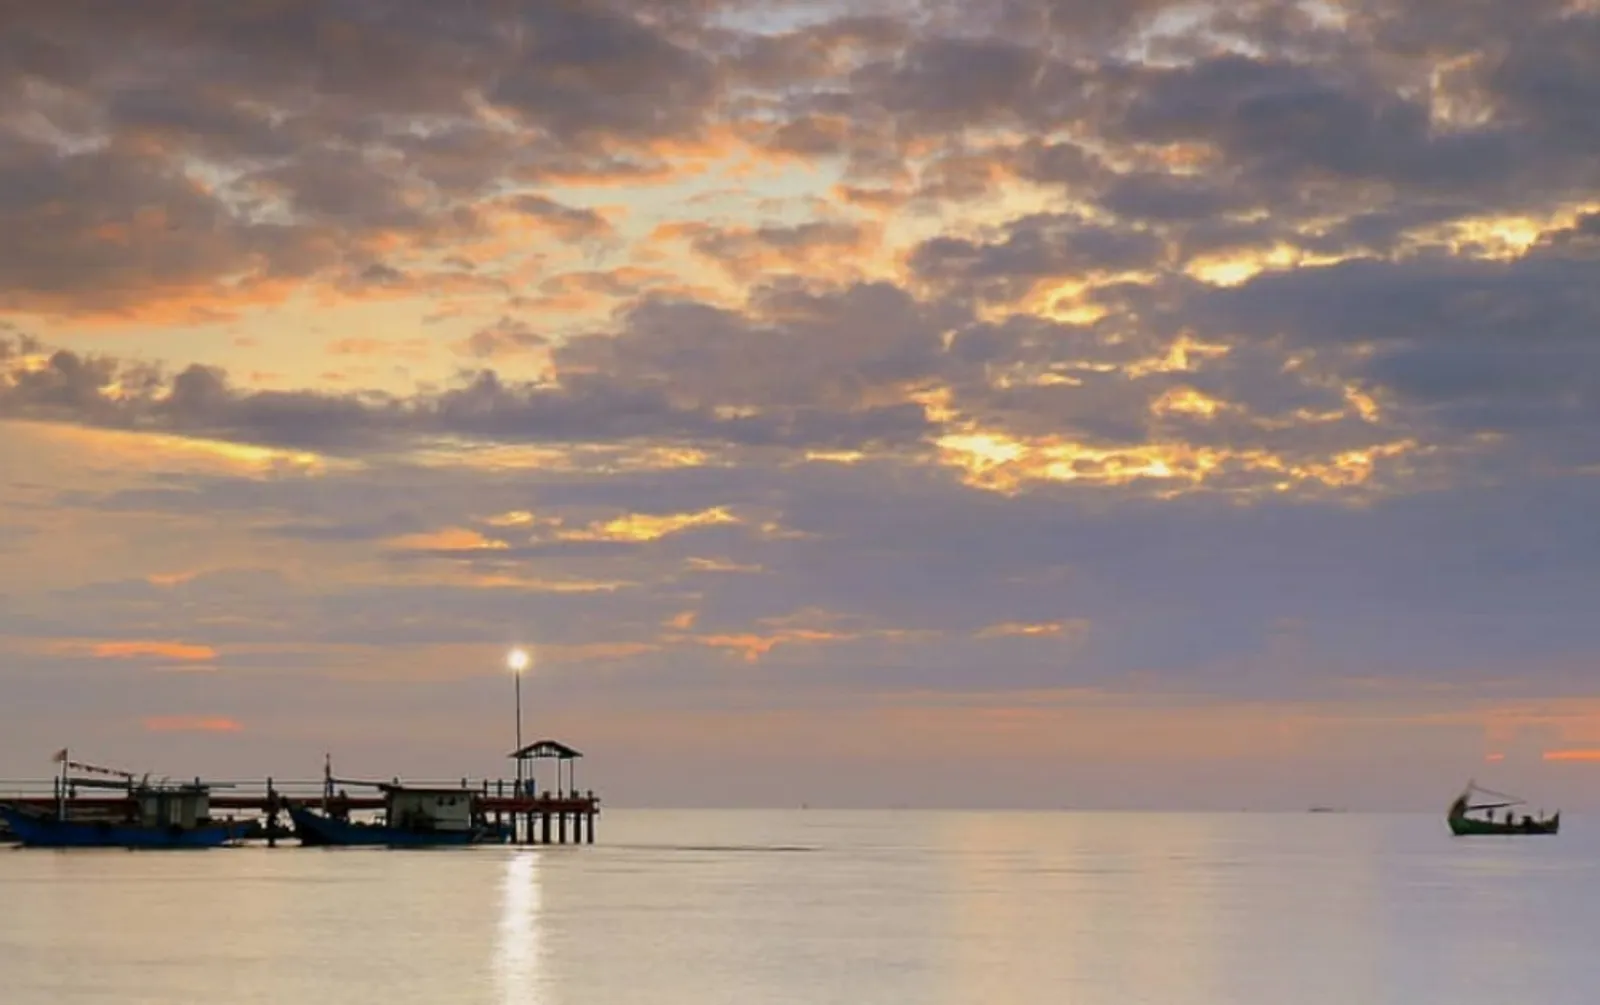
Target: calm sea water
x,y
821,907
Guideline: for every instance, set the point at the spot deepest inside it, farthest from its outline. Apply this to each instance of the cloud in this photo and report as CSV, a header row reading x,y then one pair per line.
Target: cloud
x,y
574,224
507,337
144,649
191,724
1037,630
631,385
1033,249
817,248
951,369
1582,756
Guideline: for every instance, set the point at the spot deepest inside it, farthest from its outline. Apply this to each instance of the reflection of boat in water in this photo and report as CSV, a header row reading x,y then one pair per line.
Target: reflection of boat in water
x,y
153,816
1463,822
411,818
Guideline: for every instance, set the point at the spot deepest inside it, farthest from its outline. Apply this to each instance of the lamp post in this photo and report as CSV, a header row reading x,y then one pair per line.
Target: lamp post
x,y
518,661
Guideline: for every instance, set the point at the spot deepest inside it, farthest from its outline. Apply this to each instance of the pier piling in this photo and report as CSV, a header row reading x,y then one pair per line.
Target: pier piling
x,y
272,814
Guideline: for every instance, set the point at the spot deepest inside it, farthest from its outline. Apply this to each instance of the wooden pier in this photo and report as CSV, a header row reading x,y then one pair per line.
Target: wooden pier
x,y
499,810
413,813
532,818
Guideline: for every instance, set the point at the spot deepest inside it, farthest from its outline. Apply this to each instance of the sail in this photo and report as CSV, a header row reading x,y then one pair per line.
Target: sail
x,y
1464,804
1507,798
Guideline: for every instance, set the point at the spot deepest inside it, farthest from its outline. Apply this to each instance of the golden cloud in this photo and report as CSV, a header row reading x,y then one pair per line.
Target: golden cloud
x,y
182,652
171,579
1013,629
448,539
642,527
191,724
1590,754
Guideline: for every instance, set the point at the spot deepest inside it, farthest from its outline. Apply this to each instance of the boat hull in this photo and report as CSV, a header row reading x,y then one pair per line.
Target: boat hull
x,y
316,829
1465,827
47,832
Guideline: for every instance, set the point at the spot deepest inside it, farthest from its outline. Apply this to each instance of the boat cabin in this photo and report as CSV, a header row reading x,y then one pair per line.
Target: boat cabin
x,y
185,806
428,809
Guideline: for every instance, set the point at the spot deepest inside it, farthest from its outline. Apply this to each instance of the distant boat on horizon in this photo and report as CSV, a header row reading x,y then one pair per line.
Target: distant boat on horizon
x,y
1464,824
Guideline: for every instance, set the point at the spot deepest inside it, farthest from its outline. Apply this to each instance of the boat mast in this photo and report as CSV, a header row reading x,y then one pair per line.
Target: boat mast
x,y
61,786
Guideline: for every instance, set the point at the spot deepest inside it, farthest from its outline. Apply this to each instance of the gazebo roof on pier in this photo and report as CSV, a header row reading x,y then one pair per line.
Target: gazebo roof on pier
x,y
545,748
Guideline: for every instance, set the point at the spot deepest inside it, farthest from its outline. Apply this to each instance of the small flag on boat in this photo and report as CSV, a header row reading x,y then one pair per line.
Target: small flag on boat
x,y
60,756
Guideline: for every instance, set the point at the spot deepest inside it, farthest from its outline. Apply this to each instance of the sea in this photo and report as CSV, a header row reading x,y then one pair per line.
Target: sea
x,y
824,907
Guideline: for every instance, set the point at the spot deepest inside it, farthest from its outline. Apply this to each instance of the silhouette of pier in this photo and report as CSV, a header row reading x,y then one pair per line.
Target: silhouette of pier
x,y
515,809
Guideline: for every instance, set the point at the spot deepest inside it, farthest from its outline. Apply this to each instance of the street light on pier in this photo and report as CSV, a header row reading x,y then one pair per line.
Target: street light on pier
x,y
519,660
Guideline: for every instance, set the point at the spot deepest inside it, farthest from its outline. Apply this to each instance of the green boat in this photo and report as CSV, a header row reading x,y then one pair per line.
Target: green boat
x,y
1463,823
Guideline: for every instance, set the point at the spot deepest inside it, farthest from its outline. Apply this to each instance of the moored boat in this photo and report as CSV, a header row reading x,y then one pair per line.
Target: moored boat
x,y
1463,822
157,816
410,818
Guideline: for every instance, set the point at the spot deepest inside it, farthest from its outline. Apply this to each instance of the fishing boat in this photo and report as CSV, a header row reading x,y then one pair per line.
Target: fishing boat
x,y
153,816
1463,822
411,817
144,815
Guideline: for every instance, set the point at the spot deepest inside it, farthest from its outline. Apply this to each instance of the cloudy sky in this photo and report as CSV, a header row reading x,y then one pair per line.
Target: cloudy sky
x,y
867,402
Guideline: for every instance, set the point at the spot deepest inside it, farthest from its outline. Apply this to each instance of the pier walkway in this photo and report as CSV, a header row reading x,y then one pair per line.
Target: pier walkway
x,y
532,817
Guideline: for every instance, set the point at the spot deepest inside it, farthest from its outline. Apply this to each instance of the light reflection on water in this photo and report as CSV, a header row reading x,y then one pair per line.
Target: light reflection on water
x,y
516,962
816,907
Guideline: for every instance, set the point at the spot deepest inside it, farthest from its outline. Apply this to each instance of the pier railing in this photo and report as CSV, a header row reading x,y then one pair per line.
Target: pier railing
x,y
229,790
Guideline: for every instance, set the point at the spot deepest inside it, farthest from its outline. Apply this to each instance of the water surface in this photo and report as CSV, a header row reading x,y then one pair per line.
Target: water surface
x,y
820,907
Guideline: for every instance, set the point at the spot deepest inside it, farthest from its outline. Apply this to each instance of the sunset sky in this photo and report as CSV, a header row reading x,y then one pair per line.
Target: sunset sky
x,y
867,402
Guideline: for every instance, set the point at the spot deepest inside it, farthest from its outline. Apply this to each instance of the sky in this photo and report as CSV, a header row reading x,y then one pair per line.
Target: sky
x,y
994,403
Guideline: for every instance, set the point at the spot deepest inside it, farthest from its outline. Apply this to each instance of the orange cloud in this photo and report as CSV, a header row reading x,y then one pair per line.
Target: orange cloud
x,y
153,649
720,565
751,647
192,724
642,527
448,539
1582,754
170,578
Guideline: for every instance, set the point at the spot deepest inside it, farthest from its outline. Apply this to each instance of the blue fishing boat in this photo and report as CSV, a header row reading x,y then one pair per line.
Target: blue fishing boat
x,y
154,817
411,818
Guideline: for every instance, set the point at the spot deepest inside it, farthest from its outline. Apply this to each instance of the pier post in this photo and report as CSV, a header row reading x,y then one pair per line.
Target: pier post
x,y
544,820
592,814
561,825
272,815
